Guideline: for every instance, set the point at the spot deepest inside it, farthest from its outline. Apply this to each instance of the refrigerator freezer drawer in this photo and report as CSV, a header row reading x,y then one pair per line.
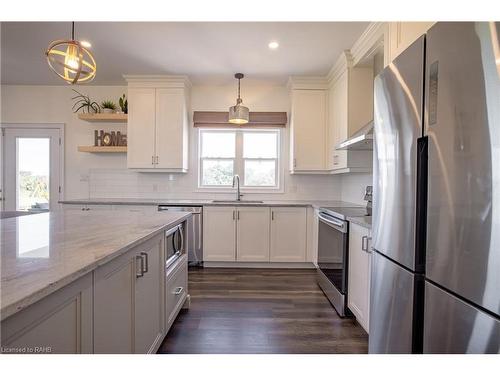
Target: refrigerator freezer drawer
x,y
392,307
454,326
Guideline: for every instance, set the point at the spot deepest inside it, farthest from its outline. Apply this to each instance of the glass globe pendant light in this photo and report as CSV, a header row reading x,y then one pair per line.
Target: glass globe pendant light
x,y
71,60
238,114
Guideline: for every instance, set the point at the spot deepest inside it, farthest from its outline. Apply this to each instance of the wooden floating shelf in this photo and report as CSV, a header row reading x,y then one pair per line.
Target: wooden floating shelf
x,y
104,149
103,117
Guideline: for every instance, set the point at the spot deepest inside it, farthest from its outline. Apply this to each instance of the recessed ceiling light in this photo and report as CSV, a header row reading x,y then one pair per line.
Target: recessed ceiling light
x,y
85,44
273,45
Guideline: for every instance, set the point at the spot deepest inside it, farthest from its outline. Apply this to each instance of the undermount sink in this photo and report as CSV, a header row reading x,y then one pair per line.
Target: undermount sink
x,y
235,201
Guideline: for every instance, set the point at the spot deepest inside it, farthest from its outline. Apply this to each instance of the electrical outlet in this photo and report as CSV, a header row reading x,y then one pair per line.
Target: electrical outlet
x,y
84,178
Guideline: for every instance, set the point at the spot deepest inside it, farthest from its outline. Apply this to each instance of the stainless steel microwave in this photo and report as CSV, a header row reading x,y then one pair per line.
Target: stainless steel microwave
x,y
174,244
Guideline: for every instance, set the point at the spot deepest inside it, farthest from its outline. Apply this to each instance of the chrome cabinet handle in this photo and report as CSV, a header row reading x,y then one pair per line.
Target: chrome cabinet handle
x,y
157,158
364,244
272,215
178,290
234,215
152,160
141,261
238,215
146,261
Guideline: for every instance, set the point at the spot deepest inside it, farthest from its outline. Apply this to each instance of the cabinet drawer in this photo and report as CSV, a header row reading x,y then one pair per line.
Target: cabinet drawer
x,y
176,289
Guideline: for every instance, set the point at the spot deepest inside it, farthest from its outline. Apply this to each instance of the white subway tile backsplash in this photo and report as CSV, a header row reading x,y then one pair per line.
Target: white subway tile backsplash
x,y
122,183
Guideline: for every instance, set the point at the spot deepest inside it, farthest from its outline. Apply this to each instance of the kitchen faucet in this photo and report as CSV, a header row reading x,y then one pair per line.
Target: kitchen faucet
x,y
238,194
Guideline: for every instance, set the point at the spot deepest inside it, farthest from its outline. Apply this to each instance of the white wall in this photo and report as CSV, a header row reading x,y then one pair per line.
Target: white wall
x,y
99,175
353,187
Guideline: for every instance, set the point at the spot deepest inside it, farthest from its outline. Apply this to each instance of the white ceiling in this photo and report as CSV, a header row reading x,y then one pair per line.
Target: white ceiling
x,y
208,52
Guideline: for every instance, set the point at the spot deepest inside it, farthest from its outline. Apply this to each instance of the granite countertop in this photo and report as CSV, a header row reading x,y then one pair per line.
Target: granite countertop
x,y
42,253
208,202
364,221
8,214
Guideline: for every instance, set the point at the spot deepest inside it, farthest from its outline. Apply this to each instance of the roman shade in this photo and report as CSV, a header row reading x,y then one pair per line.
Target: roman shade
x,y
210,119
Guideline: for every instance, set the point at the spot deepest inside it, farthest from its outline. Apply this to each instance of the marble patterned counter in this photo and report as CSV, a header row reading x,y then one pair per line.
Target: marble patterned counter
x,y
364,221
207,202
42,253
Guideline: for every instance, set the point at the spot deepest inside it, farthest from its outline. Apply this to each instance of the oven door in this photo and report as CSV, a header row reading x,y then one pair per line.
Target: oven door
x,y
332,250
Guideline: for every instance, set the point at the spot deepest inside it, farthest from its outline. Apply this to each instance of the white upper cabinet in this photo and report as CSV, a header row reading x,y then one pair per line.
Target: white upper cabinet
x,y
172,129
350,107
308,120
141,131
402,34
158,125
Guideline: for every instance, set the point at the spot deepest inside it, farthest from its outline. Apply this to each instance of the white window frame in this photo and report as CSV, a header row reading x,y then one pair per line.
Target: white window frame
x,y
239,161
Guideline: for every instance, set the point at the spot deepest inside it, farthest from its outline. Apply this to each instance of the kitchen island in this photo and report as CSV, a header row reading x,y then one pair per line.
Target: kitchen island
x,y
68,266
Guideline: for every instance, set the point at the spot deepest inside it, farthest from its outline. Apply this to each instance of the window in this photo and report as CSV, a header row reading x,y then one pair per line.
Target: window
x,y
252,154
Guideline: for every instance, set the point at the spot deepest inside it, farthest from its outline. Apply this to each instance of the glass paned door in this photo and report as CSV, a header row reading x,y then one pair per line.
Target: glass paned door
x,y
33,174
31,169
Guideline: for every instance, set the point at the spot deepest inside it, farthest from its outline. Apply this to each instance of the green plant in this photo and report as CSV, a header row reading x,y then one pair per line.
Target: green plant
x,y
108,104
123,102
83,102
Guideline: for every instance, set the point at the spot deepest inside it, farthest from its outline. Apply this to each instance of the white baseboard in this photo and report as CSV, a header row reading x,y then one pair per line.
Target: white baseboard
x,y
258,265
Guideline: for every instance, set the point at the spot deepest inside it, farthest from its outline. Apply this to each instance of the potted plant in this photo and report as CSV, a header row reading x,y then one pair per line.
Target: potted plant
x,y
84,103
108,106
123,102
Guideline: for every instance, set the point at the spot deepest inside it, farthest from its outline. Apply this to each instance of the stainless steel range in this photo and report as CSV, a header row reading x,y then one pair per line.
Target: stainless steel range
x,y
333,237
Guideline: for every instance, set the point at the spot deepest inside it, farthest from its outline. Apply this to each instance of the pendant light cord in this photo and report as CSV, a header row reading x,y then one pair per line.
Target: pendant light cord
x,y
73,30
239,79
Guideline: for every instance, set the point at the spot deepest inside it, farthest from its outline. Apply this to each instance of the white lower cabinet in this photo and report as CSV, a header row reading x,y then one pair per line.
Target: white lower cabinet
x,y
59,323
176,289
129,301
252,234
149,299
219,233
358,290
288,234
135,208
87,207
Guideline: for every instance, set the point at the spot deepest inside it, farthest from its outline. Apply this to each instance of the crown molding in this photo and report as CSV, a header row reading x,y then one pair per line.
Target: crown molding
x,y
371,40
343,63
158,80
307,83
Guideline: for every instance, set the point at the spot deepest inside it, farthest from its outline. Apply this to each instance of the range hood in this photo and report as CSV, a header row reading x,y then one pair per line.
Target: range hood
x,y
361,140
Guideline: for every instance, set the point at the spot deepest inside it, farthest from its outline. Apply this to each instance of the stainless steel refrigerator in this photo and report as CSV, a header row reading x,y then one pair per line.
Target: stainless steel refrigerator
x,y
435,285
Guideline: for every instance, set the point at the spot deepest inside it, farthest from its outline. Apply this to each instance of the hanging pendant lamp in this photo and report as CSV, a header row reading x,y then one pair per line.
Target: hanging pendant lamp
x,y
71,60
238,114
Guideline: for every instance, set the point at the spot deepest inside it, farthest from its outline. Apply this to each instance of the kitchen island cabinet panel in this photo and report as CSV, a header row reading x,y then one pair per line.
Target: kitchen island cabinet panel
x,y
60,323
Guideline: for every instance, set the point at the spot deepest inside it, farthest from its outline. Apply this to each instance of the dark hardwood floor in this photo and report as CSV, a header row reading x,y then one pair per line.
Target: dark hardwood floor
x,y
260,311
